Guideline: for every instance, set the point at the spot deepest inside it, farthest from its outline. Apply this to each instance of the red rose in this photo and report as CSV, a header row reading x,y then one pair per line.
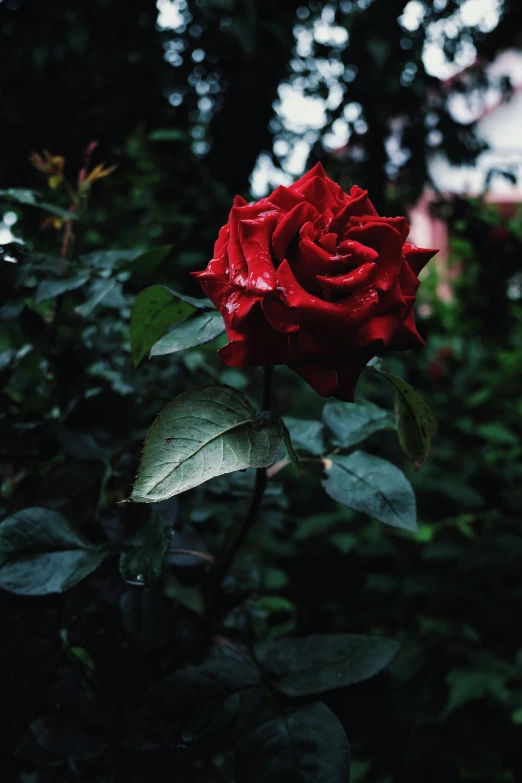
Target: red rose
x,y
313,278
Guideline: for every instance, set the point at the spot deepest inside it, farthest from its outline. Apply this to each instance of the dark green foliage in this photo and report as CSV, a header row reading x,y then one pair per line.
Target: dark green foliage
x,y
306,745
323,663
153,312
373,486
119,662
40,553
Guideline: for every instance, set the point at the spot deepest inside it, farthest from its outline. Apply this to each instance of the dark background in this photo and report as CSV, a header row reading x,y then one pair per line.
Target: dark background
x,y
449,709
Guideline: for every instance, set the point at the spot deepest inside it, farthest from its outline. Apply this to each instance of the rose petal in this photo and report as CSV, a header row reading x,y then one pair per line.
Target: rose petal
x,y
308,261
320,377
358,204
334,380
407,336
316,192
316,171
392,301
308,232
236,307
255,344
279,315
361,196
285,198
289,226
409,281
311,310
387,241
335,288
237,264
378,332
215,282
417,257
255,237
400,223
329,243
222,241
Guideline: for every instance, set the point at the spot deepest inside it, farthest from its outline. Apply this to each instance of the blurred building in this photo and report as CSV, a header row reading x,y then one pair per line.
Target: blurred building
x,y
497,173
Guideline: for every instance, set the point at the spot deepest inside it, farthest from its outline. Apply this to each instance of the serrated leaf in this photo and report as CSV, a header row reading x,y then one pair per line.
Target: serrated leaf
x,y
201,434
415,421
351,423
194,331
307,745
319,663
306,434
40,553
141,562
50,289
372,486
154,311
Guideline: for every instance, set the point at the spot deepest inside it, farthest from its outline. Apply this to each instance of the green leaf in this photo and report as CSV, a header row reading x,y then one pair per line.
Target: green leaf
x,y
350,423
96,294
21,195
201,434
40,553
306,434
307,745
29,197
188,334
50,289
416,423
147,261
195,301
372,486
141,563
294,459
321,663
154,311
167,134
187,595
108,259
468,685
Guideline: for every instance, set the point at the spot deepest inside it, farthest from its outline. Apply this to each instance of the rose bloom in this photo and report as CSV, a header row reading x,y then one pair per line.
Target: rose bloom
x,y
313,278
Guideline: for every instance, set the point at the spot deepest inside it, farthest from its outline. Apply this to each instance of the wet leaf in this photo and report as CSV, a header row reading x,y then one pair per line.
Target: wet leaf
x,y
372,486
201,434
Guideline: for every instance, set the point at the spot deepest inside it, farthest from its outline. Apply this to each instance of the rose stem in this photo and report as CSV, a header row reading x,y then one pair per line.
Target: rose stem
x,y
259,489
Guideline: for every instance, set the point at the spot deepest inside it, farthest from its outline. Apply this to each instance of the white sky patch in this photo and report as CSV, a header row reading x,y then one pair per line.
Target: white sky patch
x,y
412,16
330,35
304,115
5,235
300,112
483,14
296,161
170,14
266,177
